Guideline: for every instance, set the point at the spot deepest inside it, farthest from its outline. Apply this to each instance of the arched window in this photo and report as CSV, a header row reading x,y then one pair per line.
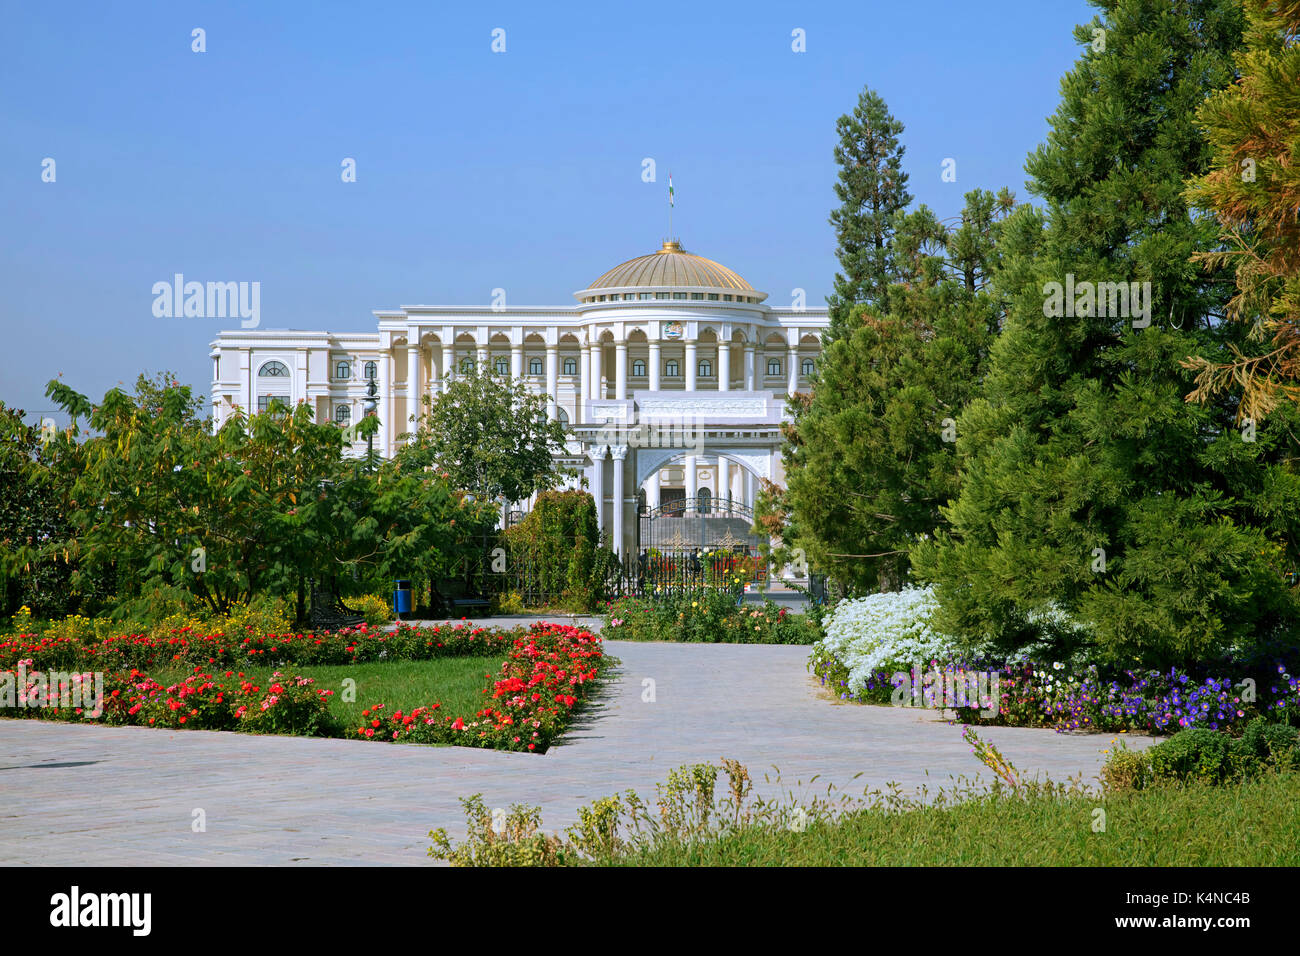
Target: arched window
x,y
706,368
343,370
273,370
466,365
638,368
807,368
670,369
372,371
535,366
562,417
570,366
342,414
773,366
503,367
702,503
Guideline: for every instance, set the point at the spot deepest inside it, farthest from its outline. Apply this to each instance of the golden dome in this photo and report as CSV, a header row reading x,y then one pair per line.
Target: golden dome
x,y
671,267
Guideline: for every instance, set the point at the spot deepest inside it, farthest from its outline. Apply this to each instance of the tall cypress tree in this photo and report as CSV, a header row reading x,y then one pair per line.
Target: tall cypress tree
x,y
1088,485
874,461
872,188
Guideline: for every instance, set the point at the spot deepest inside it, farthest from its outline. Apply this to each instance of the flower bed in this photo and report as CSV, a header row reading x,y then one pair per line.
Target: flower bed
x,y
705,616
544,678
186,647
870,640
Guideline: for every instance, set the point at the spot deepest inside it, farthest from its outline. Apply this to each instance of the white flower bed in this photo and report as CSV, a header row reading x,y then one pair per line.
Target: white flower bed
x,y
889,631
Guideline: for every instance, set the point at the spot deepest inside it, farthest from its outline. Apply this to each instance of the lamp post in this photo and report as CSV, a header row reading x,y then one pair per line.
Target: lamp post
x,y
372,403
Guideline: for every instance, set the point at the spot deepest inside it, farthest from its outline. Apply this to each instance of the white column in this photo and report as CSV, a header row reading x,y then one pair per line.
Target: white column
x,y
652,491
724,482
386,429
481,356
412,384
793,370
598,483
584,377
597,371
516,361
749,367
751,486
620,458
690,366
724,366
448,364
552,379
653,370
692,478
620,370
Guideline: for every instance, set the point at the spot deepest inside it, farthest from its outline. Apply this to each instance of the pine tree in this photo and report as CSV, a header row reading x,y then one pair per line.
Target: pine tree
x,y
872,188
1087,484
1254,189
874,459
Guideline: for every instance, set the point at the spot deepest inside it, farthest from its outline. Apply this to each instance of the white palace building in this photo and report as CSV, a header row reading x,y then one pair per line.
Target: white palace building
x,y
670,375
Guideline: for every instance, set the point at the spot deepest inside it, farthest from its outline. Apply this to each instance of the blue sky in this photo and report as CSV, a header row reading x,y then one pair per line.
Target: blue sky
x,y
475,170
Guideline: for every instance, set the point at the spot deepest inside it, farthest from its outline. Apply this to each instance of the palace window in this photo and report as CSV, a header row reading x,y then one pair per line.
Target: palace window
x,y
264,402
706,368
670,369
773,366
342,414
679,295
661,295
713,297
562,417
697,295
726,298
646,295
503,367
570,366
372,371
702,501
638,369
628,296
807,368
343,370
466,365
273,370
535,366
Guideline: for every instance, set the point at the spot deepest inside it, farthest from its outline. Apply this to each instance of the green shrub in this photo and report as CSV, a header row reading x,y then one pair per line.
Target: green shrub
x,y
511,602
1194,754
375,609
1126,770
1206,756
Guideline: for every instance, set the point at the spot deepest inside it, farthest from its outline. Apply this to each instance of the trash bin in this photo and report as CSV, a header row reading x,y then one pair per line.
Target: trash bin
x,y
402,596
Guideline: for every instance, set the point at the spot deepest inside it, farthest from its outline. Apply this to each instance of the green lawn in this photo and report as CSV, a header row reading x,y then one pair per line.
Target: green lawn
x,y
1251,824
455,682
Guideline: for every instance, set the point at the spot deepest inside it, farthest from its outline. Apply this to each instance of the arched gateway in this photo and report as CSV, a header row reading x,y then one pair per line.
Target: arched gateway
x,y
671,374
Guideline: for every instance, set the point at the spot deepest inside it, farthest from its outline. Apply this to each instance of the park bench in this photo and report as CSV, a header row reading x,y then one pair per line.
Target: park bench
x,y
455,598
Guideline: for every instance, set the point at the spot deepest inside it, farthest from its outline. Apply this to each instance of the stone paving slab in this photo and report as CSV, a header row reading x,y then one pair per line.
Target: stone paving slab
x,y
93,795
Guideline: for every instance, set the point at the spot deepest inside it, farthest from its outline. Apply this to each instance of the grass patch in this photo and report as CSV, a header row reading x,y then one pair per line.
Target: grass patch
x,y
455,682
1248,824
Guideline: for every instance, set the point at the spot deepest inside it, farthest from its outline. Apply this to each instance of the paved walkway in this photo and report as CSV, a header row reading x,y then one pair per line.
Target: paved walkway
x,y
127,795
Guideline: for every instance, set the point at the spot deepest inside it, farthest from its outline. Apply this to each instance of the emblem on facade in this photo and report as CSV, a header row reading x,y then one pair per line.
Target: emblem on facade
x,y
673,330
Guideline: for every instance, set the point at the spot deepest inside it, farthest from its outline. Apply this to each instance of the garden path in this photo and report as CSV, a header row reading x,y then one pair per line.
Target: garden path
x,y
129,795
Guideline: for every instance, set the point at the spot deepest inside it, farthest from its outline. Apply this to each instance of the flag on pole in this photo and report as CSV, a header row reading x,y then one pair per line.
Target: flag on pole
x,y
670,189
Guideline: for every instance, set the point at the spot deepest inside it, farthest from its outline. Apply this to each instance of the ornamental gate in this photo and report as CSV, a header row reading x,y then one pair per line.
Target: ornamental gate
x,y
699,542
